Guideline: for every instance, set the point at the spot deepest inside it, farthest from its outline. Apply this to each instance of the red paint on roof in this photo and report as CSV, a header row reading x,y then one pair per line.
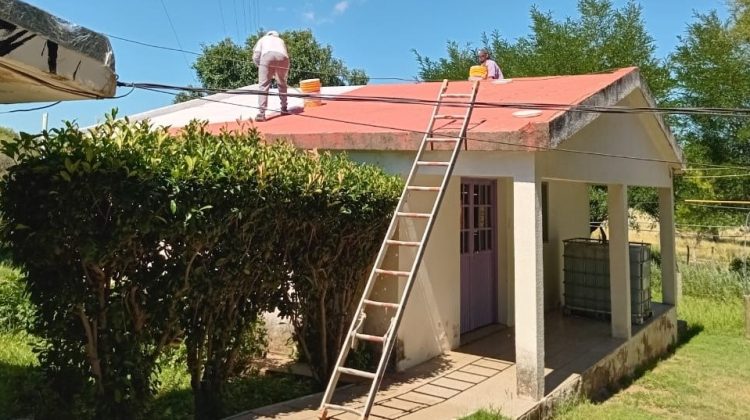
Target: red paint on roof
x,y
325,127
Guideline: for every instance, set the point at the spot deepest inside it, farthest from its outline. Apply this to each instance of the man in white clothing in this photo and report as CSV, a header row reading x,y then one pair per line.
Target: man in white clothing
x,y
272,59
493,70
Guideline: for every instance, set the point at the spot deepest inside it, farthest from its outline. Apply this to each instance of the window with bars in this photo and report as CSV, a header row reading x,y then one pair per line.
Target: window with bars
x,y
477,217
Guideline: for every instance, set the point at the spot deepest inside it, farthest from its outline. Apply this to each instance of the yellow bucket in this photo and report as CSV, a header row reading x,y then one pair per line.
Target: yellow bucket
x,y
311,86
477,72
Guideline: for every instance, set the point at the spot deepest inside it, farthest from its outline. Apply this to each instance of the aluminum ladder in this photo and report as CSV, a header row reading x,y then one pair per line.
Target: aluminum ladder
x,y
463,101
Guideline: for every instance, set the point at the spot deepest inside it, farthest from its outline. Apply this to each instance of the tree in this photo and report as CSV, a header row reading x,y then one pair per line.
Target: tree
x,y
5,161
226,65
710,67
600,38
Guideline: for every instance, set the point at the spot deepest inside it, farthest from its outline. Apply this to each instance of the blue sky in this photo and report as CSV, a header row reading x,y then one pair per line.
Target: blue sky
x,y
376,35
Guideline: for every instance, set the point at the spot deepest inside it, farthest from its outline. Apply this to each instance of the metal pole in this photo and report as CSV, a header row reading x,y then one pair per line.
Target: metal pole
x,y
45,118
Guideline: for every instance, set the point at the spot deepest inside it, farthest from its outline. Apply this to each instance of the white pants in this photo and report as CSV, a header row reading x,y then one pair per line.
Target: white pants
x,y
272,65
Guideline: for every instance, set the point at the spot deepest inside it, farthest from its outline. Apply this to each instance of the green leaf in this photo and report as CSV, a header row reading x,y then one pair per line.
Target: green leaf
x,y
173,206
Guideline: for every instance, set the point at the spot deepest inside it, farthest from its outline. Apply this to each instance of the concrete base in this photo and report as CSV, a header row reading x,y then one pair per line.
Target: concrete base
x,y
581,358
648,343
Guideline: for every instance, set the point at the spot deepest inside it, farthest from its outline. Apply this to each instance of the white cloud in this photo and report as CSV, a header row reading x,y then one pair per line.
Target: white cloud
x,y
309,16
341,7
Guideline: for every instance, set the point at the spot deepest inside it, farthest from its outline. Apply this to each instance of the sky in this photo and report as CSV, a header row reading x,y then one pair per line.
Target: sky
x,y
375,35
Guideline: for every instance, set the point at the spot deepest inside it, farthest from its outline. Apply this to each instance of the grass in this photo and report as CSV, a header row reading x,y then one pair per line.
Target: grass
x,y
19,375
486,415
709,377
17,364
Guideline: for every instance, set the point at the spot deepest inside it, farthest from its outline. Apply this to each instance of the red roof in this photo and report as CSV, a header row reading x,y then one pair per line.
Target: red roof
x,y
339,124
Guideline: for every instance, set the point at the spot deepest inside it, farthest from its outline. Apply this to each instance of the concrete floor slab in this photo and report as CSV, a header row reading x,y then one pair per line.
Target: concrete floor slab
x,y
478,375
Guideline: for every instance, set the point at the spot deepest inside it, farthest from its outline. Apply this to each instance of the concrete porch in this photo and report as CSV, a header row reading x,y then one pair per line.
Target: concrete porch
x,y
581,356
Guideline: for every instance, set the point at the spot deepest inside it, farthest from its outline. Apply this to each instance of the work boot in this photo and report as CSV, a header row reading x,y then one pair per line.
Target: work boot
x,y
284,110
260,117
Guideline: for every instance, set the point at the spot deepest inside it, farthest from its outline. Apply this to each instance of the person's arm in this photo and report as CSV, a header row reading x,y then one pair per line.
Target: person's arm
x,y
256,53
493,70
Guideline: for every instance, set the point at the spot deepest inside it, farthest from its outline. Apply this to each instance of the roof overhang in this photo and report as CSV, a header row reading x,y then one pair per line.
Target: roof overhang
x,y
44,58
383,125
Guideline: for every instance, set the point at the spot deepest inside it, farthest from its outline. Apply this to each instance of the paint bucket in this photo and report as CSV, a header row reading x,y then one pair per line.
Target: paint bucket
x,y
477,73
311,86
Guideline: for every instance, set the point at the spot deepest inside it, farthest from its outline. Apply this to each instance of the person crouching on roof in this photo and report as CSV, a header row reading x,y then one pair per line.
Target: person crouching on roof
x,y
493,70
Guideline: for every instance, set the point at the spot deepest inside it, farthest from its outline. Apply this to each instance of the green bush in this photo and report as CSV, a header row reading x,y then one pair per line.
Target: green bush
x,y
16,311
133,239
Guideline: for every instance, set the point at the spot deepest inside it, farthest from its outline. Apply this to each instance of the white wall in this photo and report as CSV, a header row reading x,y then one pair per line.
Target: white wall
x,y
431,323
622,135
432,317
567,217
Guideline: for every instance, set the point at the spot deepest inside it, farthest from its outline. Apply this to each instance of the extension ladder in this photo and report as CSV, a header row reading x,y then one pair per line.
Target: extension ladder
x,y
387,340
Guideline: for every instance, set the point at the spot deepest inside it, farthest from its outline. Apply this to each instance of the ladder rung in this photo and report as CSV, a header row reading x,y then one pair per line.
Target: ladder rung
x,y
393,272
441,139
381,304
342,408
449,117
456,95
367,337
402,243
418,188
428,163
414,215
357,372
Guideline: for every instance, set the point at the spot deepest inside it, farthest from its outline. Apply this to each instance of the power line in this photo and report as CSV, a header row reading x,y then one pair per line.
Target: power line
x,y
240,61
245,16
146,44
176,37
257,14
236,25
157,87
223,22
718,207
476,104
717,176
31,109
696,201
521,147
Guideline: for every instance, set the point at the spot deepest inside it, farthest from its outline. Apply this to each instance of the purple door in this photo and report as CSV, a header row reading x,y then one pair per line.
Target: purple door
x,y
478,254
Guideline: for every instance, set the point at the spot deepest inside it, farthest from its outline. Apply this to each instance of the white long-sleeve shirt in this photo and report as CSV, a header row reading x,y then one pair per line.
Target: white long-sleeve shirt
x,y
268,43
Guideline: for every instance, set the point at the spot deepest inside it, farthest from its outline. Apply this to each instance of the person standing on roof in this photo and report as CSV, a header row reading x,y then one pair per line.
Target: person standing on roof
x,y
272,59
493,70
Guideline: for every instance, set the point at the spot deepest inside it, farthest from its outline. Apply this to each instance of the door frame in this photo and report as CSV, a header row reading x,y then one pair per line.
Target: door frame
x,y
493,261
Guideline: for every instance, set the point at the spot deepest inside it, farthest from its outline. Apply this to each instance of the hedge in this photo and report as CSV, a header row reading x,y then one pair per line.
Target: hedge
x,y
133,239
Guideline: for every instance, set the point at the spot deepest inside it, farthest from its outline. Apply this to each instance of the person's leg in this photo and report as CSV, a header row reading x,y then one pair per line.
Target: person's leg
x,y
282,72
264,83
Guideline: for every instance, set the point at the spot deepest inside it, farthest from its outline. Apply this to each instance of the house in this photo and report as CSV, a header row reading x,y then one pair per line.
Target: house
x,y
44,58
517,192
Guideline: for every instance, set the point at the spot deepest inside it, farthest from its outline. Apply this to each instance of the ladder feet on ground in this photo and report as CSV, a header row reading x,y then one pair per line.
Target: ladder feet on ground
x,y
392,241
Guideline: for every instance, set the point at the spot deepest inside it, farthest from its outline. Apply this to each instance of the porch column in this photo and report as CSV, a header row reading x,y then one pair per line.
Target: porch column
x,y
669,282
619,259
529,284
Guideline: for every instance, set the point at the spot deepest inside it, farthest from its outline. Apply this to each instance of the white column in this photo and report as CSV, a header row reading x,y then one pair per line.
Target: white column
x,y
669,282
619,259
529,284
